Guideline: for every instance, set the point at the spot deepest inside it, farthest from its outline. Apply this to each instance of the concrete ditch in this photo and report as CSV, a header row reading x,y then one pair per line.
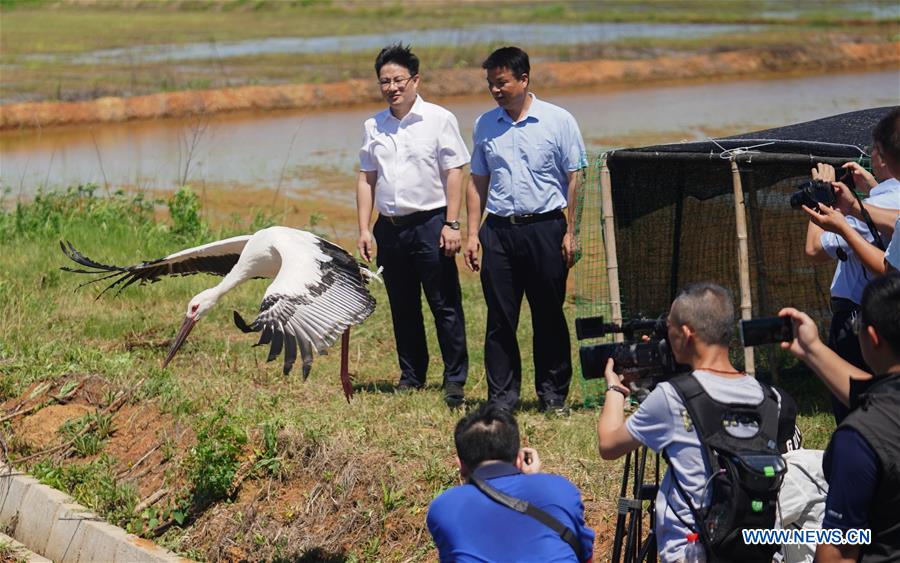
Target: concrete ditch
x,y
53,526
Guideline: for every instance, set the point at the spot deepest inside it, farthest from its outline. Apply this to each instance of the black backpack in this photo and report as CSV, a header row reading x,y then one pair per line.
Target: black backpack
x,y
745,473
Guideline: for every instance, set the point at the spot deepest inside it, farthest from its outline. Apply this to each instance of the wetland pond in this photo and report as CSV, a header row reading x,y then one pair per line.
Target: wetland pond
x,y
291,149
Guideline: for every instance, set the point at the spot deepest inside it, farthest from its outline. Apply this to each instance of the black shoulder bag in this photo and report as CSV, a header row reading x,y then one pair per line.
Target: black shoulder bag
x,y
525,507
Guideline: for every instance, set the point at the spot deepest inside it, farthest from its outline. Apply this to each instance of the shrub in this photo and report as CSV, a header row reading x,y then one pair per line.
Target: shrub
x,y
213,462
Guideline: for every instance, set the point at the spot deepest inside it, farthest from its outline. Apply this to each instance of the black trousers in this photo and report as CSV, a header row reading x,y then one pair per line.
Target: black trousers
x,y
413,262
525,260
845,343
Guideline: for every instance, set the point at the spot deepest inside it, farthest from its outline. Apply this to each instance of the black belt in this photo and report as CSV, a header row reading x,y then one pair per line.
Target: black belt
x,y
412,218
527,217
843,305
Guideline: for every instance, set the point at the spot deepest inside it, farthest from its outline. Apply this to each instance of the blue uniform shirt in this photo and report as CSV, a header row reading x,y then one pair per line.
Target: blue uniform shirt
x,y
529,161
850,276
468,526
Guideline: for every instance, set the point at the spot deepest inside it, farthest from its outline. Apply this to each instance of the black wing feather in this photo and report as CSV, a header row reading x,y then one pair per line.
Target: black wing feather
x,y
277,344
146,272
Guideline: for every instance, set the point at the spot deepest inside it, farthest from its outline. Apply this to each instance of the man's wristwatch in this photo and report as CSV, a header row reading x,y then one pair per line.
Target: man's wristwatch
x,y
452,224
619,389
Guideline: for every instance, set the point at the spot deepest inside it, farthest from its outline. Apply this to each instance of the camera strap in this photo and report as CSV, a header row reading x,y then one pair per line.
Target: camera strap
x,y
869,223
525,507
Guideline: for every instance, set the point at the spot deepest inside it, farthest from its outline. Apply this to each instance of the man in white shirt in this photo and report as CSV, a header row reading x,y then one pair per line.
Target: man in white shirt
x,y
411,169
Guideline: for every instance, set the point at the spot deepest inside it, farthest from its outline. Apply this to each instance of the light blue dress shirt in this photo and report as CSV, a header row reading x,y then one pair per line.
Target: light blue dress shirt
x,y
528,162
850,276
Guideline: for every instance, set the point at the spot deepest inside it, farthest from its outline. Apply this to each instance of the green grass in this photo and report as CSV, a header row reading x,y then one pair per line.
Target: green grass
x,y
361,474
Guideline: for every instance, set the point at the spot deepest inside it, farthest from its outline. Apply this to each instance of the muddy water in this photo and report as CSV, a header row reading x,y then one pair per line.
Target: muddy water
x,y
291,149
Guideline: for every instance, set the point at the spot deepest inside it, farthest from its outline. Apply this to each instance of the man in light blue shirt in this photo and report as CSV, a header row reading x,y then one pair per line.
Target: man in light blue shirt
x,y
527,159
835,243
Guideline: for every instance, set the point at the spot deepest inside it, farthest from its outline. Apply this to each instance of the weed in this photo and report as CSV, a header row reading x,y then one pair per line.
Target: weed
x,y
8,552
91,442
168,449
268,459
87,445
94,485
369,550
391,498
439,476
52,214
184,209
7,388
213,461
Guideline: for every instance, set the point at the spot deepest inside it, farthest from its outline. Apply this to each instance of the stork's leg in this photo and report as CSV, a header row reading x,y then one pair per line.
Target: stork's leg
x,y
345,365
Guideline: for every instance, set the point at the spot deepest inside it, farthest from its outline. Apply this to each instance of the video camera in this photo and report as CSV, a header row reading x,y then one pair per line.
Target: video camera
x,y
644,357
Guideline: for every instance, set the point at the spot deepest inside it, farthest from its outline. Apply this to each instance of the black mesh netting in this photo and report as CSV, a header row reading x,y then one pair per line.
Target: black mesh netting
x,y
675,218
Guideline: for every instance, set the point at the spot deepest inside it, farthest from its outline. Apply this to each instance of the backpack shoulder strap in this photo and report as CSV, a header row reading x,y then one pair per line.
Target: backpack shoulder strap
x,y
770,413
525,507
705,413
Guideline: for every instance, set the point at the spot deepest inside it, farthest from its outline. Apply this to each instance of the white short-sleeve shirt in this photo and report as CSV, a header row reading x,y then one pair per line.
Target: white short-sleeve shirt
x,y
412,157
892,254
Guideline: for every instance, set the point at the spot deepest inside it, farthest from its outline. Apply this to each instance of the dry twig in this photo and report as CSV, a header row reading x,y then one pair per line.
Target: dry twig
x,y
151,500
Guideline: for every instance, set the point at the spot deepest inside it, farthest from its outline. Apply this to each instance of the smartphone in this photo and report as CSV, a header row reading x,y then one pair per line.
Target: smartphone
x,y
756,332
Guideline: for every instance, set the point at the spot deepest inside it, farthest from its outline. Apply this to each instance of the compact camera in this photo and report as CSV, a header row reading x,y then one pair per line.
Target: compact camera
x,y
812,193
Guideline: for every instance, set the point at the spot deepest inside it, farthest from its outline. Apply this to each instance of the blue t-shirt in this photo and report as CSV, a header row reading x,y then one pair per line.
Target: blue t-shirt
x,y
466,525
528,161
852,475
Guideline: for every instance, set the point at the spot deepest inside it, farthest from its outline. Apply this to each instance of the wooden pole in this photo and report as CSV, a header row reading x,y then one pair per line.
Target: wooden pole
x,y
740,220
609,242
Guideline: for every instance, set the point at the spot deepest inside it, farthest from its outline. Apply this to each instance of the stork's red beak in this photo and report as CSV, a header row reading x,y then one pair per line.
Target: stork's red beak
x,y
186,327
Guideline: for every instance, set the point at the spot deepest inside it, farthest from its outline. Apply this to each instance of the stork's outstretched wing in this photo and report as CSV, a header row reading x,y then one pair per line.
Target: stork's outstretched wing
x,y
216,258
317,294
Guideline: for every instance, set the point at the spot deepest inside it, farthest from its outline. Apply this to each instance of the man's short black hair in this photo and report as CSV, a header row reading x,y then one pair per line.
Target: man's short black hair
x,y
887,136
513,58
399,55
489,433
881,309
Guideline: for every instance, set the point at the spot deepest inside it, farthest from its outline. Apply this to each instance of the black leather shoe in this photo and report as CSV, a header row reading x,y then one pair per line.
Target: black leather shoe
x,y
556,408
454,395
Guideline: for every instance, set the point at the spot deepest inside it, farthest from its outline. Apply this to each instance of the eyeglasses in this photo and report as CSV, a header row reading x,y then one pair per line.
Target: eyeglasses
x,y
400,83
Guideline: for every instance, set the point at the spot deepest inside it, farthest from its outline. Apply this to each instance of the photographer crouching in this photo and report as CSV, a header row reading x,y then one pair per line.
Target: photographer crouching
x,y
862,462
703,423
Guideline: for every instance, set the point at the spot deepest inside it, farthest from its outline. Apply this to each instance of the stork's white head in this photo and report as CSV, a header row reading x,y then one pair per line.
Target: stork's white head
x,y
202,303
197,308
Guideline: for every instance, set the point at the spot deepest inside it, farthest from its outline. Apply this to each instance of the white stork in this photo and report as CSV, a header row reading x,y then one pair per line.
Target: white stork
x,y
318,290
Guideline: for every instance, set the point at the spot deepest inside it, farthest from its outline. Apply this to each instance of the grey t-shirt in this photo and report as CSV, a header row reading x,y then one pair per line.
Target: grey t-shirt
x,y
662,422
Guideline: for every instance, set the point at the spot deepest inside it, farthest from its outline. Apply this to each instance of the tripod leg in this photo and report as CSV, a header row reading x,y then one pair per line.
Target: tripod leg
x,y
620,518
635,513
